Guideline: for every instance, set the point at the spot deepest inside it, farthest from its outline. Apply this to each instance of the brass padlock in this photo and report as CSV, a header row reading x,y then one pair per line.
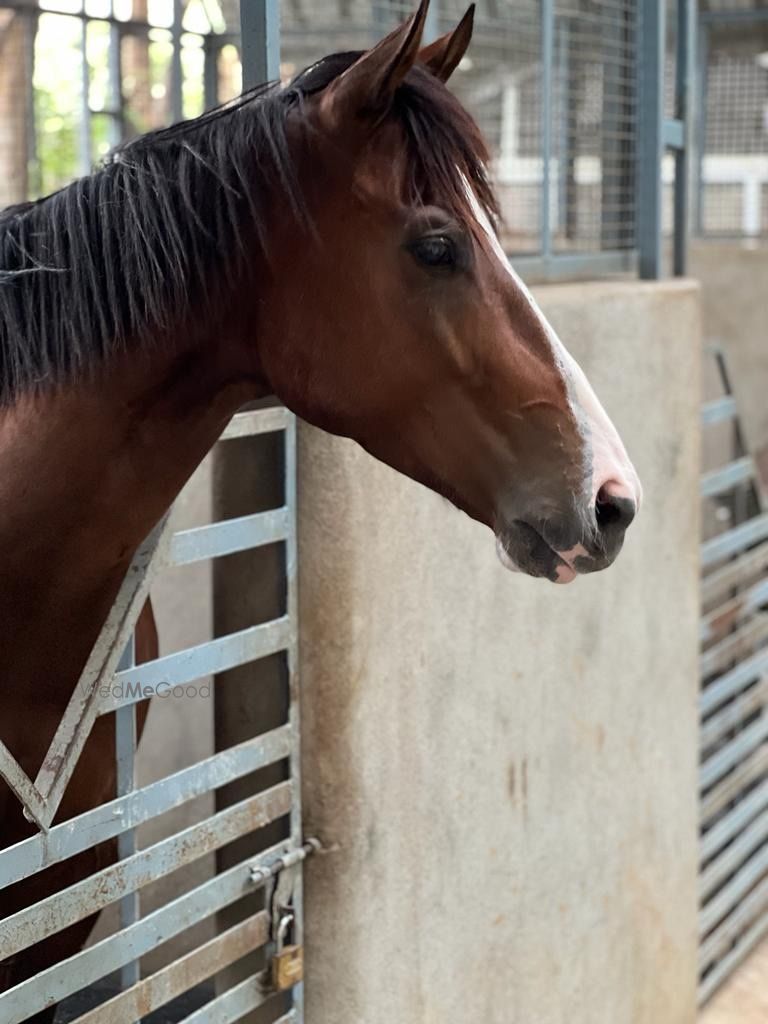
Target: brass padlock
x,y
288,961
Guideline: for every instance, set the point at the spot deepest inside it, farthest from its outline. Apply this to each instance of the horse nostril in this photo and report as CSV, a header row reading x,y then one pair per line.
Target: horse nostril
x,y
612,512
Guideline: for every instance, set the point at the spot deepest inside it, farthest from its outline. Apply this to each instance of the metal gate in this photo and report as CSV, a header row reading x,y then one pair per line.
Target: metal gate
x,y
276,870
734,699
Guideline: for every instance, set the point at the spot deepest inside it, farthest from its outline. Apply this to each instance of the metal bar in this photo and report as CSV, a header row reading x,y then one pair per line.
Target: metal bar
x,y
78,901
734,574
725,967
125,754
735,17
749,807
117,120
229,536
560,266
22,786
109,820
294,711
736,645
732,894
731,613
734,714
85,161
177,70
686,64
718,764
702,80
82,710
738,851
183,974
547,65
260,47
734,541
673,134
731,682
718,410
234,1004
57,982
728,932
211,51
717,481
650,149
259,421
157,678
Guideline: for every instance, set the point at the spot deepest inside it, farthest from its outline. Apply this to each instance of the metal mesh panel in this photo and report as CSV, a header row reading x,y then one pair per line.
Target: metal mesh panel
x,y
733,166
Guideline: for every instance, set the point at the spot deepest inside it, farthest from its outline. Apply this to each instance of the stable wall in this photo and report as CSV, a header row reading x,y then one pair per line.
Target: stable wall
x,y
508,768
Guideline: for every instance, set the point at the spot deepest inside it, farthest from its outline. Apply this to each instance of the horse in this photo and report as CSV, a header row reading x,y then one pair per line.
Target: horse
x,y
333,242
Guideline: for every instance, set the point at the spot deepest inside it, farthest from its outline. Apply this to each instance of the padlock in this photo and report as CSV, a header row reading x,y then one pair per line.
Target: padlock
x,y
288,961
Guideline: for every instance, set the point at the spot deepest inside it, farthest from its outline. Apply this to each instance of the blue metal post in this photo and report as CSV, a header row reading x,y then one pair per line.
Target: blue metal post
x,y
650,144
686,64
260,33
547,66
125,752
701,124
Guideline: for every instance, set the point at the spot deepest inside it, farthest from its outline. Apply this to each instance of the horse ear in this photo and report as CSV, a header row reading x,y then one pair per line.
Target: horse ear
x,y
443,56
367,88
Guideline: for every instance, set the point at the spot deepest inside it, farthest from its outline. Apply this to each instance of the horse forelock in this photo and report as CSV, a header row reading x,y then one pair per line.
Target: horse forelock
x,y
153,235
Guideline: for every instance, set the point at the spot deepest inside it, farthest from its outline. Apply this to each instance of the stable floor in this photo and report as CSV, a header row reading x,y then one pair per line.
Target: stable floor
x,y
743,999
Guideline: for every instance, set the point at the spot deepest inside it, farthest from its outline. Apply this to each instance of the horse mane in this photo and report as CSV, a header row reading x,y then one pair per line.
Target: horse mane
x,y
157,233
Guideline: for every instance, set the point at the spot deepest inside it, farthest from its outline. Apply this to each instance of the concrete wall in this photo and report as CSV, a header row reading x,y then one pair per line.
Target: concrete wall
x,y
508,768
734,289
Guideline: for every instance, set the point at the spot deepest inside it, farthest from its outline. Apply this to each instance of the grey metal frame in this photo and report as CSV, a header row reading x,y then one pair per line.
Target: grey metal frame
x,y
110,682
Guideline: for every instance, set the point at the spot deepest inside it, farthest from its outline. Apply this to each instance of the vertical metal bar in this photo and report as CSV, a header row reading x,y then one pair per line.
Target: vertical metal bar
x,y
85,160
701,123
35,184
260,33
114,57
177,70
547,65
210,71
292,609
125,754
564,155
686,65
650,147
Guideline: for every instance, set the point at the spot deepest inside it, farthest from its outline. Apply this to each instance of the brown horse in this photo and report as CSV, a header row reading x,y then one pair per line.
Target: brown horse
x,y
331,242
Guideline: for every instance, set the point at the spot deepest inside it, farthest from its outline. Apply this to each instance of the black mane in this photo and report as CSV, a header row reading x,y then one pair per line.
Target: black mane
x,y
160,229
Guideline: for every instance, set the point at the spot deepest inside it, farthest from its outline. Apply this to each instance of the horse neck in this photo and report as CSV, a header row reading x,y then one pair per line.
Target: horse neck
x,y
85,472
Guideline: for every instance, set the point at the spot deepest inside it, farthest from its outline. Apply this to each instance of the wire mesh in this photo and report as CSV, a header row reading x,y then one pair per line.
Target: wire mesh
x,y
733,163
552,83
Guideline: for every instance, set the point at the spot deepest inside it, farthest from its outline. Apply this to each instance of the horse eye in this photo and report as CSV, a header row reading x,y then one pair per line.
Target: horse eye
x,y
435,251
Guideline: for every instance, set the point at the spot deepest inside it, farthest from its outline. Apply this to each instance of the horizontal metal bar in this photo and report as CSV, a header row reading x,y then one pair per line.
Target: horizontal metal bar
x,y
729,790
727,964
718,870
721,620
717,481
56,983
229,536
234,1004
729,684
258,421
742,16
78,901
673,134
750,635
733,892
718,764
109,820
728,931
154,678
559,266
734,574
735,540
734,714
183,974
718,410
